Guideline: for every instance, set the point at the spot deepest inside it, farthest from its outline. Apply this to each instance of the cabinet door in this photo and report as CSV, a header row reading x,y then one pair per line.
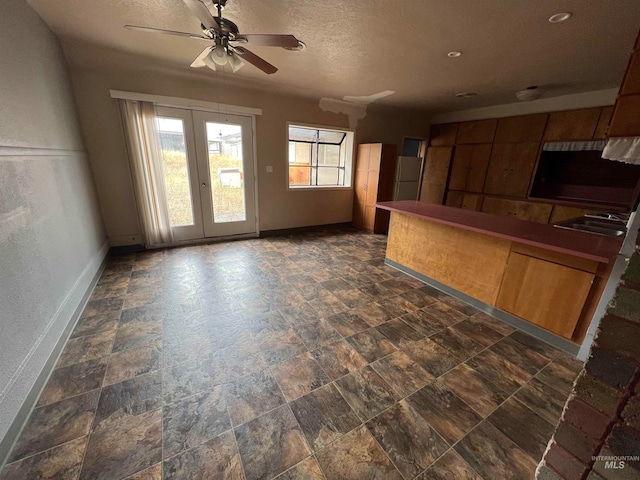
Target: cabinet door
x,y
631,82
536,290
478,164
510,169
469,167
520,129
460,167
625,121
471,201
479,131
529,211
360,183
572,125
561,212
455,199
434,177
464,200
443,135
603,123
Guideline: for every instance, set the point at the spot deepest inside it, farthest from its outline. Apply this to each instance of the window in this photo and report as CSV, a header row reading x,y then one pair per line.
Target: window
x,y
319,157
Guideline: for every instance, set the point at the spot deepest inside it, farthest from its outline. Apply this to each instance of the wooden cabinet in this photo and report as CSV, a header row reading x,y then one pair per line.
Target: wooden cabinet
x,y
479,131
464,200
530,211
435,173
572,125
375,167
603,123
536,290
469,167
510,169
443,135
521,129
631,82
562,212
625,121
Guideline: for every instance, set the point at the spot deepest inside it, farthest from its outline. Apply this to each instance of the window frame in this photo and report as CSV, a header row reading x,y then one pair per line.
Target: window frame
x,y
349,166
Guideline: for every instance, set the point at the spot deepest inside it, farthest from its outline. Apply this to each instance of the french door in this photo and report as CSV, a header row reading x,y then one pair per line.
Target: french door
x,y
209,175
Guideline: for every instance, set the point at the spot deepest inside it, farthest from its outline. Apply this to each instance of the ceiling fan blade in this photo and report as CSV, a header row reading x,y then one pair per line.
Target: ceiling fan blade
x,y
265,40
200,10
198,62
254,60
136,28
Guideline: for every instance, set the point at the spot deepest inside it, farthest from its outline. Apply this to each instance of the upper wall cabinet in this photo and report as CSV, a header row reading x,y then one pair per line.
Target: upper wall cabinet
x,y
603,123
625,121
631,82
469,167
443,135
524,128
572,125
510,169
480,131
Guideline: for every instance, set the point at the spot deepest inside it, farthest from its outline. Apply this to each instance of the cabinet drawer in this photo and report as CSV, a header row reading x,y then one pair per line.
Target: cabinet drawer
x,y
538,291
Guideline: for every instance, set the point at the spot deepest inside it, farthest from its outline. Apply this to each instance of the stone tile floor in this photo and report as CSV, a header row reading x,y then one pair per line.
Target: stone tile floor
x,y
292,357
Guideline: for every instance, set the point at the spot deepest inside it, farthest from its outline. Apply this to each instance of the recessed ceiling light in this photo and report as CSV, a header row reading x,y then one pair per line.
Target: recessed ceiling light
x,y
560,17
454,54
466,95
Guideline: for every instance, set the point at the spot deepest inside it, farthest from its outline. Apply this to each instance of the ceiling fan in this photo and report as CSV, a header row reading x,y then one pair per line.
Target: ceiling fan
x,y
225,36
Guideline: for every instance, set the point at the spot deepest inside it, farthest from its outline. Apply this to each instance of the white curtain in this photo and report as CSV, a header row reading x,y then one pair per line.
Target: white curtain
x,y
623,149
146,166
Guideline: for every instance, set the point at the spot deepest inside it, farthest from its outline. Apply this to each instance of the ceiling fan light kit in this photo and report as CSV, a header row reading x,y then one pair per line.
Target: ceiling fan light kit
x,y
224,33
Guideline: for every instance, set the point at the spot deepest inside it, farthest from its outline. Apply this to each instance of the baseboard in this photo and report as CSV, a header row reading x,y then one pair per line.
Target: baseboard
x,y
541,334
68,314
311,228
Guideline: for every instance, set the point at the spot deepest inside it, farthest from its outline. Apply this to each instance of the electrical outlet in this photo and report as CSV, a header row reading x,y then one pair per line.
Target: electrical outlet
x,y
269,169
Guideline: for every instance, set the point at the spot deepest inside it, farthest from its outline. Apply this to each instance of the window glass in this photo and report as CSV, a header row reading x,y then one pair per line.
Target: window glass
x,y
319,157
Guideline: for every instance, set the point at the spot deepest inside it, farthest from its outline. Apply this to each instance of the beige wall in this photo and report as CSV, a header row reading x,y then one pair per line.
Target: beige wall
x,y
278,207
52,241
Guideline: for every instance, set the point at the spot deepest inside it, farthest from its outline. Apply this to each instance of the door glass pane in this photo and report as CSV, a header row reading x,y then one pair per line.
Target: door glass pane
x,y
176,170
224,142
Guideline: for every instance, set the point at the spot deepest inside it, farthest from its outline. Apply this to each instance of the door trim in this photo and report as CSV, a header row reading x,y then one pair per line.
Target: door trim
x,y
185,103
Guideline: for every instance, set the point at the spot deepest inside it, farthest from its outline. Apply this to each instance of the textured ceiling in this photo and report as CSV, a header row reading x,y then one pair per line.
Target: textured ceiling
x,y
363,47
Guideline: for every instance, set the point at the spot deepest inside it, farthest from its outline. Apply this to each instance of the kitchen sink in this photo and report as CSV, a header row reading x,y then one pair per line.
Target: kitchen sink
x,y
598,226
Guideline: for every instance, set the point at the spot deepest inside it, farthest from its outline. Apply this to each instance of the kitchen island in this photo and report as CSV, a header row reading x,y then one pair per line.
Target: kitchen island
x,y
544,280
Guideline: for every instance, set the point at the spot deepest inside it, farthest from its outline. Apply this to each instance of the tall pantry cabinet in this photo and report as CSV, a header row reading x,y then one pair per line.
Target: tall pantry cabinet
x,y
374,175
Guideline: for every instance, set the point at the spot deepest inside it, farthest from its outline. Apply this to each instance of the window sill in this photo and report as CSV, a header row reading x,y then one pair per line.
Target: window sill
x,y
321,189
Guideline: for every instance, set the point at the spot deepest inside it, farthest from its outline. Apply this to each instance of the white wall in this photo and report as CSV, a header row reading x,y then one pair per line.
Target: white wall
x,y
51,234
101,70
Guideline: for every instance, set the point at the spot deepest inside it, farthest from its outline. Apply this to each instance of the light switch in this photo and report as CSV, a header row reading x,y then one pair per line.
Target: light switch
x,y
269,169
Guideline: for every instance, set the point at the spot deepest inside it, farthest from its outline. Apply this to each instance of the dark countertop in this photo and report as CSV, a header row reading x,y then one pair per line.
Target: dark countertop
x,y
599,248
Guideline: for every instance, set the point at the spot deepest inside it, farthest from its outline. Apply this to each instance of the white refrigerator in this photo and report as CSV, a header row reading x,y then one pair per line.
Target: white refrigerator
x,y
407,180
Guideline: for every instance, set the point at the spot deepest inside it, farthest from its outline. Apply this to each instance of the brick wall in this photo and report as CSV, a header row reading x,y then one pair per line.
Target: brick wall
x,y
602,414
